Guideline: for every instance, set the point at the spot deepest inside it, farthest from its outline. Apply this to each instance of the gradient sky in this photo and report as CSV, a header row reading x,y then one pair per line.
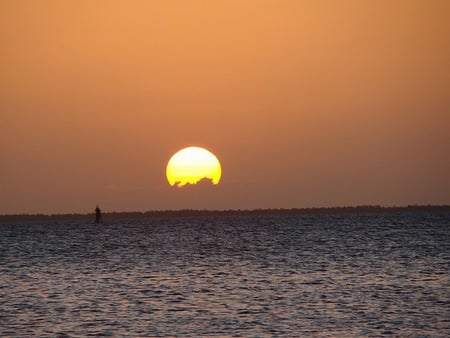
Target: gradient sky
x,y
305,103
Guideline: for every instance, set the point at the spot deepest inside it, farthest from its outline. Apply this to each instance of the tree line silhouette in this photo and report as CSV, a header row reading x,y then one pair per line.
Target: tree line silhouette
x,y
364,209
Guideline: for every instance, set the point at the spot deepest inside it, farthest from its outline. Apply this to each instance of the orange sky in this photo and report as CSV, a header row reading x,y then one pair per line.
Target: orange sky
x,y
305,103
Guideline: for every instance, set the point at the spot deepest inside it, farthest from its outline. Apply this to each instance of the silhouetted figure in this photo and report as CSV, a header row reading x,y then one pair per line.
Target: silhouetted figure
x,y
98,216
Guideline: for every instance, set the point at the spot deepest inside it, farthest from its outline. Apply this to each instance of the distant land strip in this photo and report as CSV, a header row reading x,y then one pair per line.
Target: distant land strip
x,y
363,209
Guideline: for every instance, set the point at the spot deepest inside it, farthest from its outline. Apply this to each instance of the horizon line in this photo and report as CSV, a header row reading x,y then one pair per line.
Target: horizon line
x,y
369,207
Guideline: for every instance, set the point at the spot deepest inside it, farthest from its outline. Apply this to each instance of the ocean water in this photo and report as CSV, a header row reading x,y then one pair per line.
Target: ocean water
x,y
280,275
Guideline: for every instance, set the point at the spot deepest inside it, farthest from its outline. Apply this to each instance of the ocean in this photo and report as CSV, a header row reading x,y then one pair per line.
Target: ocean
x,y
318,275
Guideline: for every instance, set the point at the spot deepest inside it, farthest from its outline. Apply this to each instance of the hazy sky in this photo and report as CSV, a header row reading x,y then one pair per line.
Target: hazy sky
x,y
305,103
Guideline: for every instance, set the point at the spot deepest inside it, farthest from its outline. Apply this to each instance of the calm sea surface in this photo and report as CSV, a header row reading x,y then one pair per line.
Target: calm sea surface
x,y
323,275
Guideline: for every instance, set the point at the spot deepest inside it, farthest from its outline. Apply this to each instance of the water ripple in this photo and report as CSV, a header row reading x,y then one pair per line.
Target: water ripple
x,y
229,276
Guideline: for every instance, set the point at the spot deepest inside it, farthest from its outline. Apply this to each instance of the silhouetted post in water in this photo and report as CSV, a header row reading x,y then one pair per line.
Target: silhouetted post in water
x,y
98,215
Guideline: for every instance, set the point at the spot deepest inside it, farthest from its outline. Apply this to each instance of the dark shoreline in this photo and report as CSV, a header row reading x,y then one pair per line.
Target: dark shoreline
x,y
370,209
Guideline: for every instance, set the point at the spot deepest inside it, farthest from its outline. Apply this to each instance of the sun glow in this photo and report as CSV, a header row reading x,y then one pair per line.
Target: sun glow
x,y
191,165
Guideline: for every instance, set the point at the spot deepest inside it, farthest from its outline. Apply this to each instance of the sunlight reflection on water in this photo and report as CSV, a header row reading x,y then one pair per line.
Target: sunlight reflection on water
x,y
250,276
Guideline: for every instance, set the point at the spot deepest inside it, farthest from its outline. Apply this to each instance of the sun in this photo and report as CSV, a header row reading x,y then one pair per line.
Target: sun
x,y
192,164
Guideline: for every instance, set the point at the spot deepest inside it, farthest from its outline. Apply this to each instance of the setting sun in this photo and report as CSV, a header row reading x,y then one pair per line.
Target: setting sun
x,y
192,164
